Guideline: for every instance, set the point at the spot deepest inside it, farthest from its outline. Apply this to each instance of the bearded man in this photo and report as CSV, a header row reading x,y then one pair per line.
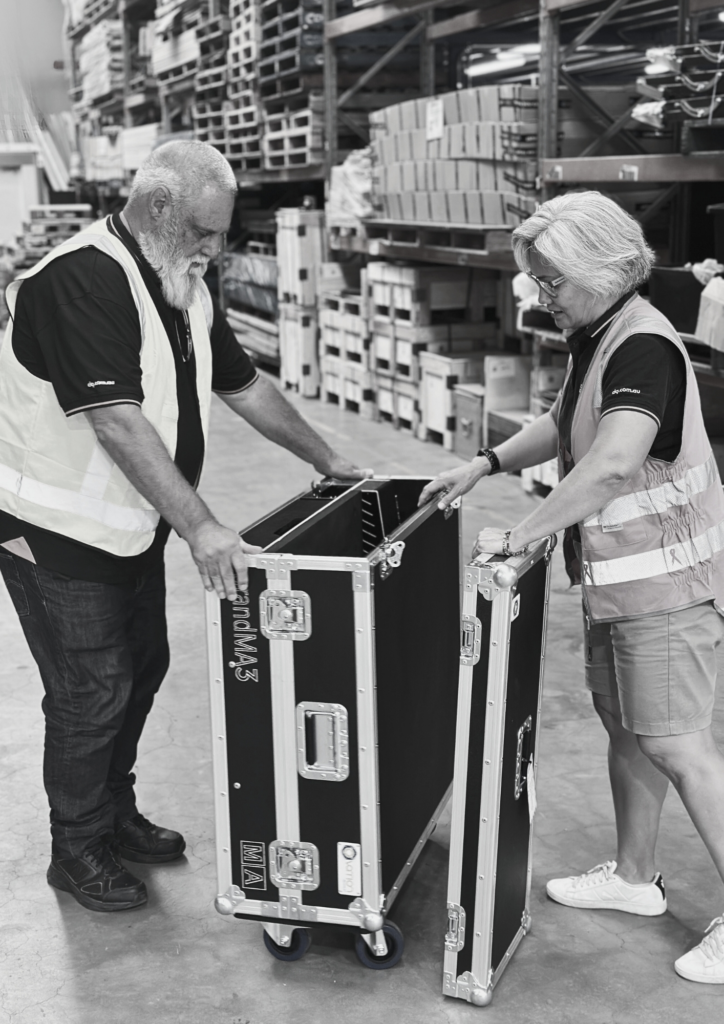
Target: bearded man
x,y
106,373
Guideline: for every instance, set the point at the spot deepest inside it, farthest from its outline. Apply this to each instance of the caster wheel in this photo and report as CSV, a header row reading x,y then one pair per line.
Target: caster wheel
x,y
300,943
395,946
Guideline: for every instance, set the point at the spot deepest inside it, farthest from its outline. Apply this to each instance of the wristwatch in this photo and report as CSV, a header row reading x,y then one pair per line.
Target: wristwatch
x,y
492,459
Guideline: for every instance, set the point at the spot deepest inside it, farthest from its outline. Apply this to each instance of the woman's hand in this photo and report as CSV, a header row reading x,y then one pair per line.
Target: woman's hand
x,y
489,542
454,482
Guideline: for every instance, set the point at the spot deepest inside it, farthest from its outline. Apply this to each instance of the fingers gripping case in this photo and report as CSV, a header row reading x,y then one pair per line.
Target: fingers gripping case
x,y
333,702
504,615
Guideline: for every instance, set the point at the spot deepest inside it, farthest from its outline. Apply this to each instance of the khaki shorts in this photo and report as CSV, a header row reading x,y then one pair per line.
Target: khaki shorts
x,y
662,668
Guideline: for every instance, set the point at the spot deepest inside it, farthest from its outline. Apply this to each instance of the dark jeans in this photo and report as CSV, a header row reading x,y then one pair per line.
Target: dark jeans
x,y
102,651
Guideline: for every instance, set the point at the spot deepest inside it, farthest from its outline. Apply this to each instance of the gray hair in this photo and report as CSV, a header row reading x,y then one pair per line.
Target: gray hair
x,y
588,238
185,168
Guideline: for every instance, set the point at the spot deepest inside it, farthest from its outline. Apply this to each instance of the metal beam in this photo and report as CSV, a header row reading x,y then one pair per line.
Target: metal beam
x,y
649,167
381,14
427,58
382,62
659,203
593,27
613,129
482,19
598,113
548,90
331,122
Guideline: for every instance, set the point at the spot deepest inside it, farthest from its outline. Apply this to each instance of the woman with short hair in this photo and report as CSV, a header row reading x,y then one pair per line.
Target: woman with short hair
x,y
641,503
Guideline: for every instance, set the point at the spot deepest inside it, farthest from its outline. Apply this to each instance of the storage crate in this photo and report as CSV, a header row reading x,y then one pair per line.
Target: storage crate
x,y
421,296
398,403
298,349
507,397
343,331
347,384
468,411
438,376
300,250
395,349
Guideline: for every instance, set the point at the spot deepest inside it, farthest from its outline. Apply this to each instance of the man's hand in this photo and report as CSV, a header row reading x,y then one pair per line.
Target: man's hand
x,y
219,556
338,467
454,482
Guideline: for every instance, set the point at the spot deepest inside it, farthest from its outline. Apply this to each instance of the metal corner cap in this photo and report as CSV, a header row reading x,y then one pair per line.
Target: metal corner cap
x,y
505,577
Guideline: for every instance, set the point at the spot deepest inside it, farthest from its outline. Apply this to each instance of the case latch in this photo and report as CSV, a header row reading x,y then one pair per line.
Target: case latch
x,y
285,615
455,935
391,557
293,865
471,634
522,756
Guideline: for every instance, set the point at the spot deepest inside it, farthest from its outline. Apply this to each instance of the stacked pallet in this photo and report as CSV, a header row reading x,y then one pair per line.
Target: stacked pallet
x,y
47,227
212,34
300,248
242,115
100,65
175,51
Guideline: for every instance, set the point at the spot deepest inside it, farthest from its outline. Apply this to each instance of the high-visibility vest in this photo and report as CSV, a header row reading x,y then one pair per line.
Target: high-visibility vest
x,y
658,545
54,473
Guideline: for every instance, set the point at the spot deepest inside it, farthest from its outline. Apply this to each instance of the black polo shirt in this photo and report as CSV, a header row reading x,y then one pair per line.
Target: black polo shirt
x,y
77,326
646,373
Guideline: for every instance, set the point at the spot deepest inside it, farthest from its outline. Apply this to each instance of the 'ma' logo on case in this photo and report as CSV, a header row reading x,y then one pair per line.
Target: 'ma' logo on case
x,y
253,865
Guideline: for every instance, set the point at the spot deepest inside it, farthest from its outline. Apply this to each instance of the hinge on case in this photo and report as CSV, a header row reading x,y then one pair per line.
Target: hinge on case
x,y
285,615
391,557
455,935
471,633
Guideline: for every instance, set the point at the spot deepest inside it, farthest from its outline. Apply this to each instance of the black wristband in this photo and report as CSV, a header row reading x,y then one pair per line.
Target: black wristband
x,y
492,459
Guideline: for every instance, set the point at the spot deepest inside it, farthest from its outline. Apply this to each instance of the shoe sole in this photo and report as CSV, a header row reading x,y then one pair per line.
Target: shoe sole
x,y
626,908
147,858
700,980
58,880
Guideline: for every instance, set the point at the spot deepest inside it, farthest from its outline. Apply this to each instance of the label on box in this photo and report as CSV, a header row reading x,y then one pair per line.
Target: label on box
x,y
497,368
435,119
349,869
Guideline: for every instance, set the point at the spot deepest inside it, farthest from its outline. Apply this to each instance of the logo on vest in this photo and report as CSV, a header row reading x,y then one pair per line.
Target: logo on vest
x,y
95,383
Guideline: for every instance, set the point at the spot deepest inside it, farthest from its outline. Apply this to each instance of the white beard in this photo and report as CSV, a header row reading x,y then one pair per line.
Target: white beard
x,y
179,274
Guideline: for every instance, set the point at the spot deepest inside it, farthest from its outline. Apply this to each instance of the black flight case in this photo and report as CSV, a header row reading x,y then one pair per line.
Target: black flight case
x,y
333,699
504,615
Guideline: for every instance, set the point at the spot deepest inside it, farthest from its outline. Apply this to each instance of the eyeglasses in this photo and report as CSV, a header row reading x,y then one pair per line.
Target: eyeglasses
x,y
549,287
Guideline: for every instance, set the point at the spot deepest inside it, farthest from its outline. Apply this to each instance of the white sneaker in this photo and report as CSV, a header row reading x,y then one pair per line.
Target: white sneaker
x,y
705,962
602,889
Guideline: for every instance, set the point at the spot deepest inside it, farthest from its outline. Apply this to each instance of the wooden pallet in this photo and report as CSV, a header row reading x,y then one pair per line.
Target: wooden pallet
x,y
171,76
421,296
293,148
242,117
295,118
290,63
343,328
276,89
281,16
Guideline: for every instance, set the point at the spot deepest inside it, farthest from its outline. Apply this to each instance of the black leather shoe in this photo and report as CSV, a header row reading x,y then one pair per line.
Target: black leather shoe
x,y
139,839
97,880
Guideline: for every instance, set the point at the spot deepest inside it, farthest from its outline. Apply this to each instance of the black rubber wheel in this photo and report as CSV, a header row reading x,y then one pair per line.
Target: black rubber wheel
x,y
395,947
301,941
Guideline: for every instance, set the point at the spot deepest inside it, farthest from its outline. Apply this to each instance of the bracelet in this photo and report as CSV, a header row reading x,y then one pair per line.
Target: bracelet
x,y
492,459
506,546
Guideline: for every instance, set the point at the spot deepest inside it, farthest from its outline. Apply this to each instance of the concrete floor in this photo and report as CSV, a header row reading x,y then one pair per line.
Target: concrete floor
x,y
176,961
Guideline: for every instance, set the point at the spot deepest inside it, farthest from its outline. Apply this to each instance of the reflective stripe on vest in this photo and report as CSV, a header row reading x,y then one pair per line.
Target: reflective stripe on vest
x,y
671,494
118,517
670,559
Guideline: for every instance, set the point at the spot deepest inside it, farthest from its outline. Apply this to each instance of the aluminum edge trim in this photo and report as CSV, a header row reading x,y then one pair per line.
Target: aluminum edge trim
x,y
492,780
459,793
404,529
219,760
418,848
284,722
366,684
537,728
